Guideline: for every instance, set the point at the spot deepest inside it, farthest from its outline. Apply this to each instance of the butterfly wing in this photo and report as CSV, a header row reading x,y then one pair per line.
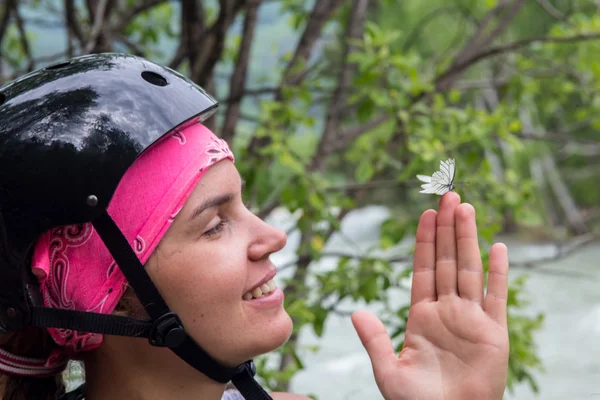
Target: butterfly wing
x,y
441,181
424,178
448,169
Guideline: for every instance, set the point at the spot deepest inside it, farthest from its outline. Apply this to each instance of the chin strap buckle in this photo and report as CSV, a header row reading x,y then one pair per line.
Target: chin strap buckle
x,y
249,367
167,331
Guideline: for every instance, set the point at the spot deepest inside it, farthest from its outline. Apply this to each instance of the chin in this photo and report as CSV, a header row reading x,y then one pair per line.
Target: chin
x,y
274,335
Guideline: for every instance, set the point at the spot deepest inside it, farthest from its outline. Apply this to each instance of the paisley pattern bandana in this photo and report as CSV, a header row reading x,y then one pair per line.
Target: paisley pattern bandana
x,y
73,266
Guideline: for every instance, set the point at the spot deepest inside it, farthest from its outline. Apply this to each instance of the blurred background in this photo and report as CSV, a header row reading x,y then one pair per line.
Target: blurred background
x,y
332,108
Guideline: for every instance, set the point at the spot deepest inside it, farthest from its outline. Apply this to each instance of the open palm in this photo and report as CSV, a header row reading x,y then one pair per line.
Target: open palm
x,y
456,343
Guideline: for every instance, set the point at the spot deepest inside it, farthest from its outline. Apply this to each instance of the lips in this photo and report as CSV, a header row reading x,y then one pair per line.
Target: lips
x,y
263,287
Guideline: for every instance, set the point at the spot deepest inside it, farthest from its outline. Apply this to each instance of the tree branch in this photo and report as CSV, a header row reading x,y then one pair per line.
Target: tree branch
x,y
479,42
8,7
354,31
131,12
136,48
562,250
202,71
24,40
73,27
351,134
582,150
475,43
319,15
94,44
251,92
510,47
238,78
423,22
550,9
377,184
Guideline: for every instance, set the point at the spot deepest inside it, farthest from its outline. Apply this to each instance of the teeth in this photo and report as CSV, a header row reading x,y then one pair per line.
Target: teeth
x,y
263,289
257,292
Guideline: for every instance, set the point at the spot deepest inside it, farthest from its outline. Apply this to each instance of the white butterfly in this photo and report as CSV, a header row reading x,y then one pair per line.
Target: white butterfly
x,y
441,181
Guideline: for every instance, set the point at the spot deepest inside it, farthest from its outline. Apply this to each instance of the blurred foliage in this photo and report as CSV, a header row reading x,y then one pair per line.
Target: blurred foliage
x,y
546,102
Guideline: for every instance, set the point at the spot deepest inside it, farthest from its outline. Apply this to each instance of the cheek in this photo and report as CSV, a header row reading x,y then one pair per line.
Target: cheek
x,y
202,283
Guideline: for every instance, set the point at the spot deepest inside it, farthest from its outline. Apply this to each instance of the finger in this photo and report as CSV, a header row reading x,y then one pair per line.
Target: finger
x,y
445,246
423,279
375,340
497,290
470,269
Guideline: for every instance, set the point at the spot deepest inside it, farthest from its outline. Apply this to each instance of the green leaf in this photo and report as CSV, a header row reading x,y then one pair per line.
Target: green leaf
x,y
319,320
365,109
370,289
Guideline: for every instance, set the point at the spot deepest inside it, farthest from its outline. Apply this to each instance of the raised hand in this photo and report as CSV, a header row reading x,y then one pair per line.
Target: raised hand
x,y
456,343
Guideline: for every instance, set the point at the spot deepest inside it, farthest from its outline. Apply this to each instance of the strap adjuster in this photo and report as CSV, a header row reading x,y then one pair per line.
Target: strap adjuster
x,y
167,331
248,366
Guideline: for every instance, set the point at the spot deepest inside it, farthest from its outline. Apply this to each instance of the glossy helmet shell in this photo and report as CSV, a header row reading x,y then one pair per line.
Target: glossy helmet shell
x,y
71,130
68,133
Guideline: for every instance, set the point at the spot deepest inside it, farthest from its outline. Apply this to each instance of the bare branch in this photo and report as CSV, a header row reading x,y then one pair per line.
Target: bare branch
x,y
453,71
354,31
238,78
23,38
319,15
191,37
475,43
202,71
376,184
503,23
562,250
251,92
136,48
423,22
73,27
38,60
312,32
8,8
99,14
132,12
191,28
480,84
351,134
563,196
478,42
583,150
550,9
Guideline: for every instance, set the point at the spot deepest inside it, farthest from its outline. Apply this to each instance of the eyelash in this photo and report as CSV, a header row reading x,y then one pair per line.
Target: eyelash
x,y
217,229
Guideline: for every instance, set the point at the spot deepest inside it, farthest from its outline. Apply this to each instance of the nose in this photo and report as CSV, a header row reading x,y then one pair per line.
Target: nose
x,y
266,240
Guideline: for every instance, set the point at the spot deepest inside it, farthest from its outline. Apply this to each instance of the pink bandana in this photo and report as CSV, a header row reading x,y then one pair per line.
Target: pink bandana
x,y
73,266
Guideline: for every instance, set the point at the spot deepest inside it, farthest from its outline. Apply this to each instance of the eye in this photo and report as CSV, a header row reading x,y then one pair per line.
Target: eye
x,y
215,230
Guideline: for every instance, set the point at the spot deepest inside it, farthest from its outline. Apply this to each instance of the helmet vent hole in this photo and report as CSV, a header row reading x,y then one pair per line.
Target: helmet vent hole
x,y
58,65
154,78
2,98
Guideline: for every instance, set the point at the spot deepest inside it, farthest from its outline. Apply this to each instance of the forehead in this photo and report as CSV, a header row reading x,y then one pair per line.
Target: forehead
x,y
220,178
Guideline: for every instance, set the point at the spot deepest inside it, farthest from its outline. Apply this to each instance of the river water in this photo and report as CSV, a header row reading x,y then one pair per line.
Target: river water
x,y
566,291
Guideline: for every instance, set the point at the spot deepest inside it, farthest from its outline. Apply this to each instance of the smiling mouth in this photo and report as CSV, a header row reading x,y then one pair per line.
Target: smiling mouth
x,y
263,290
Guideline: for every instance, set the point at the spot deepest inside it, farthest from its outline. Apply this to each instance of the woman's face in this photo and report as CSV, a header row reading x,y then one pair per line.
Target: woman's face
x,y
214,254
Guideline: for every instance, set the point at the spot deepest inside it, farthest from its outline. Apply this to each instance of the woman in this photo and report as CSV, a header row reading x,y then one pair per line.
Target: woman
x,y
122,219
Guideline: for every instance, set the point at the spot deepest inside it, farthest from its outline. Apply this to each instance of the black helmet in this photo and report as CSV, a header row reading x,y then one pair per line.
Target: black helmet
x,y
85,121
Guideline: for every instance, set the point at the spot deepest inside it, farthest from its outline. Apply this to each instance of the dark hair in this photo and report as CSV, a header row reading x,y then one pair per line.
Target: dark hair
x,y
35,343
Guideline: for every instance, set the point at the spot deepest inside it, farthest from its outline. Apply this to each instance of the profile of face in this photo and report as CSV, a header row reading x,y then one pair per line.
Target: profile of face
x,y
216,252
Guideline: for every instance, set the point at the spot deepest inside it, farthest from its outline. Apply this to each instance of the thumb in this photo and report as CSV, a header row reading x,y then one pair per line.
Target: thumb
x,y
374,338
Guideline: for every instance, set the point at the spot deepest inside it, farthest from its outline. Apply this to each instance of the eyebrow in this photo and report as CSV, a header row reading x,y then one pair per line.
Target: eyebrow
x,y
217,201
